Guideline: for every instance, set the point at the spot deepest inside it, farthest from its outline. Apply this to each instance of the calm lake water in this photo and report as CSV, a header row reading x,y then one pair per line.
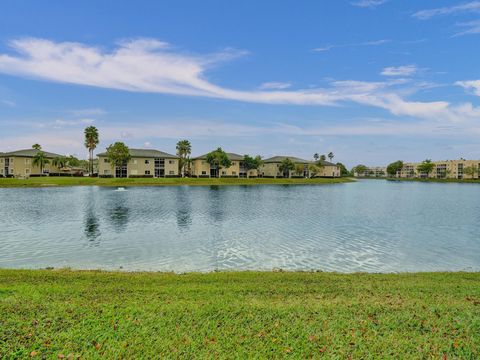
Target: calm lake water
x,y
373,226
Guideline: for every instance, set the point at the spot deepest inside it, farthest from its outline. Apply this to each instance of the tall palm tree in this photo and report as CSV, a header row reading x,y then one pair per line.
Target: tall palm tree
x,y
91,142
330,155
40,160
184,149
316,156
59,161
37,146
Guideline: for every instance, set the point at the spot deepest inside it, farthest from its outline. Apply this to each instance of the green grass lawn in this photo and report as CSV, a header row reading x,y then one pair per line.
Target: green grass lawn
x,y
75,181
55,313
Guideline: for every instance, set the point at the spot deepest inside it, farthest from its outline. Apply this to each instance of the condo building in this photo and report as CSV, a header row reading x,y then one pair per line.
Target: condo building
x,y
372,171
201,168
20,163
444,169
272,168
143,163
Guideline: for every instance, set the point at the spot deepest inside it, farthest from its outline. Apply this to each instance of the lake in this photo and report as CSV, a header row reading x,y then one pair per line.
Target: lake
x,y
368,226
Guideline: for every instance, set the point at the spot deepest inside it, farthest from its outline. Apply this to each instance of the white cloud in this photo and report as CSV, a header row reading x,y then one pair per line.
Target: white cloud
x,y
87,112
473,85
473,6
151,66
471,27
275,85
75,122
405,70
368,3
8,102
365,43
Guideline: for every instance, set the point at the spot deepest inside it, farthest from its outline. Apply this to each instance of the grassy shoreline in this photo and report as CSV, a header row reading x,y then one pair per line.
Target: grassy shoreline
x,y
94,314
85,181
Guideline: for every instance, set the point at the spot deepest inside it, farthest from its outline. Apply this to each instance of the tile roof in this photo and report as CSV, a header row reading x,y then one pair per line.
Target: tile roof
x,y
146,153
30,153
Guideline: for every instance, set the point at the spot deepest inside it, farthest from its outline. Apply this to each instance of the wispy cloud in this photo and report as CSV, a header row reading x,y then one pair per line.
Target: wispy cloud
x,y
470,27
75,122
365,43
151,66
473,6
275,85
87,112
8,102
368,3
472,85
405,70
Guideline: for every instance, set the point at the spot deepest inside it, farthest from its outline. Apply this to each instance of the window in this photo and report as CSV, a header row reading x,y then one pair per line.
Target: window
x,y
106,161
147,162
224,173
171,161
27,171
147,172
106,172
234,173
171,172
134,161
204,173
27,161
133,172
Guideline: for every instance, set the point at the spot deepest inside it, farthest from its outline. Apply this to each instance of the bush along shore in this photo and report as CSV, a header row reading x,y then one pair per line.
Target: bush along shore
x,y
94,181
91,314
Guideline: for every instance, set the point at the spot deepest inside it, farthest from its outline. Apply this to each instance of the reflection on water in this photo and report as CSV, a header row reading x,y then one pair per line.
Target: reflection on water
x,y
118,217
349,227
92,227
183,208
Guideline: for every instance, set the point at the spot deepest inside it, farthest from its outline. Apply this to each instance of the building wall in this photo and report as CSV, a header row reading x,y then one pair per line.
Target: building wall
x,y
139,166
453,169
23,166
375,171
273,169
201,167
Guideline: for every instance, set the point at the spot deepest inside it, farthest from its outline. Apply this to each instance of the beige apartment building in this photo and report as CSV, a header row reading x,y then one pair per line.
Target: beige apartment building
x,y
201,168
20,163
143,163
373,171
271,168
444,169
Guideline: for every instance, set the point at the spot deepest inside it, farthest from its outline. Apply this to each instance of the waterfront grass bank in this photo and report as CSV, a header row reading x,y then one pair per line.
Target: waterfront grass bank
x,y
88,314
87,181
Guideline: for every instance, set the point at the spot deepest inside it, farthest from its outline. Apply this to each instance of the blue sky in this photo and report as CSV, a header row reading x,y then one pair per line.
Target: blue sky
x,y
371,80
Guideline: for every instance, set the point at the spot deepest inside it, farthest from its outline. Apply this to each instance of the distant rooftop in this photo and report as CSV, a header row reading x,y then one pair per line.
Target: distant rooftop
x,y
231,156
278,159
30,153
146,153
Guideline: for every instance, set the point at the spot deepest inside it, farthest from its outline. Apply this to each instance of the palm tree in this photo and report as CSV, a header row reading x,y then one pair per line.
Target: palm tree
x,y
286,166
323,158
330,155
91,142
184,149
316,156
40,160
37,146
59,161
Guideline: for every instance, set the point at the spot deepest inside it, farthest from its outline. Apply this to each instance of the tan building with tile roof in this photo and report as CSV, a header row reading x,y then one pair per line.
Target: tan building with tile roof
x,y
271,168
20,163
143,162
201,168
